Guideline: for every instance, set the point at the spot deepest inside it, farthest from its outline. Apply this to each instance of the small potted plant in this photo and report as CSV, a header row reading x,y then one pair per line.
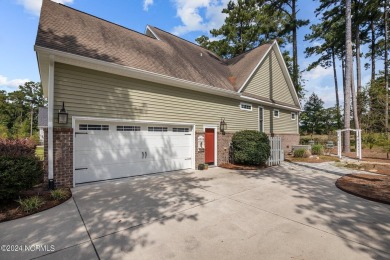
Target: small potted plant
x,y
201,166
206,166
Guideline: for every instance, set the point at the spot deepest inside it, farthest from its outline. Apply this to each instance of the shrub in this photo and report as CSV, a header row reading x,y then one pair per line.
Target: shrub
x,y
299,152
250,147
59,194
302,153
317,149
20,169
30,204
17,147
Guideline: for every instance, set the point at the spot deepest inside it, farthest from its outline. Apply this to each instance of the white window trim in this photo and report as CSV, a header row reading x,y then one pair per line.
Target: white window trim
x,y
246,104
262,124
295,116
274,113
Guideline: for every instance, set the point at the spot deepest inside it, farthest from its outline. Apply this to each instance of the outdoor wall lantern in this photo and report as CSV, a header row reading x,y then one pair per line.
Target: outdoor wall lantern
x,y
222,126
63,115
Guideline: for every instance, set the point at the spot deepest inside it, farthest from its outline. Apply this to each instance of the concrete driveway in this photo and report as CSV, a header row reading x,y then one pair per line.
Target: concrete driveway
x,y
287,212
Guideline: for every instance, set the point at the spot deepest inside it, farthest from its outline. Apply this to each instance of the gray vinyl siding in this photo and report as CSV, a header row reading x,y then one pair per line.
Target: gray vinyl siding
x,y
269,82
97,94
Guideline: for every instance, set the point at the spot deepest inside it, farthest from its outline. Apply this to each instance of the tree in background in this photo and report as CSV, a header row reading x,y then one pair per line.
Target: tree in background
x,y
348,76
311,119
250,23
19,110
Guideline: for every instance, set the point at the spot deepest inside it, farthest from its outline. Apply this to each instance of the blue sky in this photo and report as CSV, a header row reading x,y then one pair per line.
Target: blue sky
x,y
186,18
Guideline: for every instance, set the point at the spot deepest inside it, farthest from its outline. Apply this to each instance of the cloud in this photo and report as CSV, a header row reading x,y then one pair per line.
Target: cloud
x,y
190,13
13,83
34,6
317,73
147,3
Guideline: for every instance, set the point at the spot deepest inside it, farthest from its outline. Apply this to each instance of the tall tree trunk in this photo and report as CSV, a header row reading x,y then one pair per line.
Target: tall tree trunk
x,y
386,71
348,74
373,49
336,88
354,101
295,47
358,73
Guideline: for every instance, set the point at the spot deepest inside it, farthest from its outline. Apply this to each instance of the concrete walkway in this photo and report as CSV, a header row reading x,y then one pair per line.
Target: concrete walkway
x,y
289,212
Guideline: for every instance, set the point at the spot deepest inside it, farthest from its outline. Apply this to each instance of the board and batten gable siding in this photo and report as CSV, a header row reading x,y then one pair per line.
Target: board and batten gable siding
x,y
269,82
97,94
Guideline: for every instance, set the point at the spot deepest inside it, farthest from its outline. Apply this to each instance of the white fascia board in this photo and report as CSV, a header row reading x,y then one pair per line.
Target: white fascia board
x,y
256,67
150,30
279,56
114,120
108,67
269,104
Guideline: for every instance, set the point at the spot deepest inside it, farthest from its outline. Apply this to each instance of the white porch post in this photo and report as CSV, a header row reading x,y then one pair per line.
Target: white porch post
x,y
50,152
359,144
339,143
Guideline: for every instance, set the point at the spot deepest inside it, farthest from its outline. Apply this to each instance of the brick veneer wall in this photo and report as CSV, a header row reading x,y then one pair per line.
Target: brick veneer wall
x,y
63,157
223,142
289,140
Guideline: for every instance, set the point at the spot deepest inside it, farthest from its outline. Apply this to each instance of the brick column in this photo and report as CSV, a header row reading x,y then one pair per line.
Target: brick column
x,y
63,157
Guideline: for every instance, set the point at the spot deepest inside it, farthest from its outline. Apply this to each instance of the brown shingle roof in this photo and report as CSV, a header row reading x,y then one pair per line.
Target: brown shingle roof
x,y
65,29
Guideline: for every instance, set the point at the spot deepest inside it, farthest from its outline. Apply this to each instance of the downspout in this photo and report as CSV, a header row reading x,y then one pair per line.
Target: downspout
x,y
50,152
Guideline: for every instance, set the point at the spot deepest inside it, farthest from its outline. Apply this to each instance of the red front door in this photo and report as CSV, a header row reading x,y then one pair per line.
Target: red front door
x,y
209,146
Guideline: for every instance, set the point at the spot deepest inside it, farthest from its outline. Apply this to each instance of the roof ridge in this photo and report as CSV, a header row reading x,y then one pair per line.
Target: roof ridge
x,y
104,20
245,52
197,45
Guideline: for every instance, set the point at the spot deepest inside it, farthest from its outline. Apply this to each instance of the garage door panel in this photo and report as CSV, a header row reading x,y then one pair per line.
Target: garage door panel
x,y
112,171
101,155
90,142
104,156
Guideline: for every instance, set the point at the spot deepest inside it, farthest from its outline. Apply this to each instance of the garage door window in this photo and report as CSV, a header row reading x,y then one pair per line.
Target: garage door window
x,y
157,129
129,128
87,127
180,129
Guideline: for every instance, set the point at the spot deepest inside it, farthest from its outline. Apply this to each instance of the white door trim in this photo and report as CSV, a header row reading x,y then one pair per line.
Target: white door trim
x,y
215,127
113,120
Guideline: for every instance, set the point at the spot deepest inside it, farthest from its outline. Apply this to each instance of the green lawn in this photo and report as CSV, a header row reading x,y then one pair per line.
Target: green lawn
x,y
39,152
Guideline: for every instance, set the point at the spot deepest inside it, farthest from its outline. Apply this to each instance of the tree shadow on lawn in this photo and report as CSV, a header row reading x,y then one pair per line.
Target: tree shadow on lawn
x,y
120,206
319,203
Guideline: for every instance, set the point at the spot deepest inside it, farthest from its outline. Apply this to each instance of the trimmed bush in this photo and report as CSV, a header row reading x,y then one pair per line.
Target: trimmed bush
x,y
302,153
20,169
250,147
317,149
58,194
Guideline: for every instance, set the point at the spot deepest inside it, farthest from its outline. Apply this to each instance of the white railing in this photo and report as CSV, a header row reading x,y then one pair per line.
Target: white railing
x,y
277,153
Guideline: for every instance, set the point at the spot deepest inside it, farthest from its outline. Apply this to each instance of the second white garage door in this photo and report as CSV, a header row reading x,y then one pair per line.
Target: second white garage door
x,y
115,150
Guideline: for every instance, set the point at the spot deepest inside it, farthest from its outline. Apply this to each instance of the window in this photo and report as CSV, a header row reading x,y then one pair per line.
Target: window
x,y
293,116
246,106
261,119
129,128
276,113
157,129
93,127
180,129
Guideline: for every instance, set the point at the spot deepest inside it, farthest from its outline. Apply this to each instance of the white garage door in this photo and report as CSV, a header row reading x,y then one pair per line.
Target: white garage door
x,y
115,150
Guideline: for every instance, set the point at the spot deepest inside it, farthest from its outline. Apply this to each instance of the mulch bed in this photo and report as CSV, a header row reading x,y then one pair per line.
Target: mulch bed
x,y
375,168
10,210
231,166
368,186
319,159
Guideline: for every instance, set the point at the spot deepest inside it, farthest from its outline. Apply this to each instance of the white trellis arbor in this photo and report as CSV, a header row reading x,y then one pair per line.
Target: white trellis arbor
x,y
358,142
